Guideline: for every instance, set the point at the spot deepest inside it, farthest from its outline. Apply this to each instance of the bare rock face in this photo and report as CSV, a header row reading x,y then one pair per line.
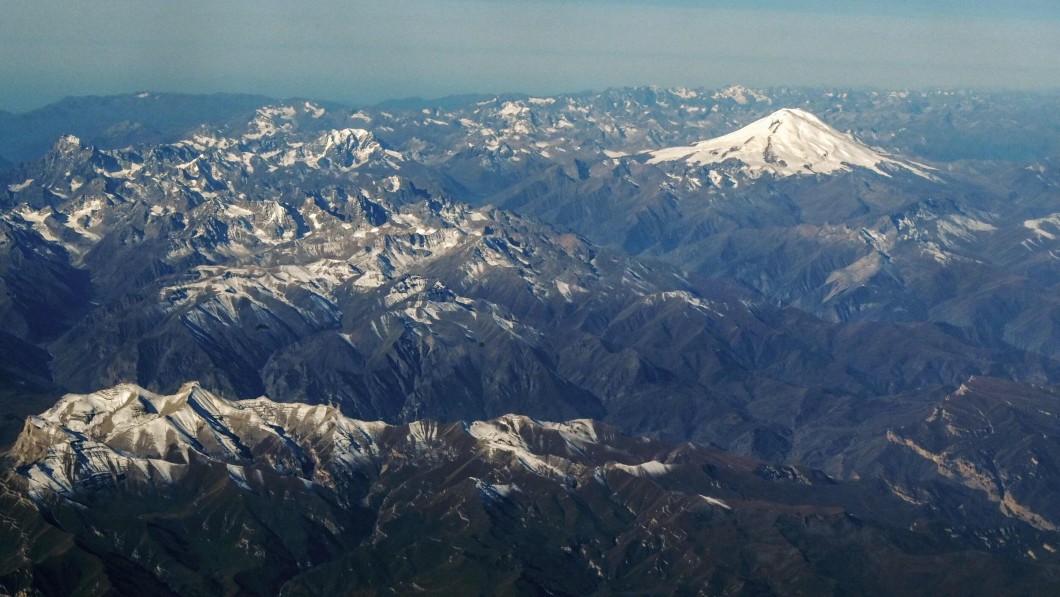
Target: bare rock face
x,y
992,436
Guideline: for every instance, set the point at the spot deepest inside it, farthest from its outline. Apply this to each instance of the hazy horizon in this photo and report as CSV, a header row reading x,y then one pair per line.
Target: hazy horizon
x,y
518,93
366,52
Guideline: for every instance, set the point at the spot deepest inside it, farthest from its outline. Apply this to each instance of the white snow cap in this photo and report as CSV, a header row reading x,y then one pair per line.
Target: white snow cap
x,y
788,142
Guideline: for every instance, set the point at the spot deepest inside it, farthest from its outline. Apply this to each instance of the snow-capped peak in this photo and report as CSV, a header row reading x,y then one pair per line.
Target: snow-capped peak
x,y
788,142
741,95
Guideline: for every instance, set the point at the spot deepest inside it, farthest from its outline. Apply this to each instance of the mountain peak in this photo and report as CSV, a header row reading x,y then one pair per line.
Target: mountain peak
x,y
741,95
788,142
67,144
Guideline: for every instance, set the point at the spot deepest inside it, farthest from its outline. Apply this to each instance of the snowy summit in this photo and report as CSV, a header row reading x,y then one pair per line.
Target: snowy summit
x,y
788,142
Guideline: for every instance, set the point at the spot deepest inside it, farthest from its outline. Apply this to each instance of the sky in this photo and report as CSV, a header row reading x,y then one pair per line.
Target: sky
x,y
366,51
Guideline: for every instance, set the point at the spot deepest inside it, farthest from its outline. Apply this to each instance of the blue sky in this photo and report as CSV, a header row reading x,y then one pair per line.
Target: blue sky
x,y
361,51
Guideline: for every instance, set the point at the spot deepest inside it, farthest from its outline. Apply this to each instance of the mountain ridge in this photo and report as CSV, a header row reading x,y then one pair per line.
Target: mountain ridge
x,y
508,501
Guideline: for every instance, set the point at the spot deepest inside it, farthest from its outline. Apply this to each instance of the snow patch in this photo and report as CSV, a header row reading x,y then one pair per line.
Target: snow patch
x,y
652,468
715,502
1044,228
14,188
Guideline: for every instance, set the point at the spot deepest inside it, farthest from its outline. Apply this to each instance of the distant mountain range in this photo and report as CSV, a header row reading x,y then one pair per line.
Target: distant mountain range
x,y
117,121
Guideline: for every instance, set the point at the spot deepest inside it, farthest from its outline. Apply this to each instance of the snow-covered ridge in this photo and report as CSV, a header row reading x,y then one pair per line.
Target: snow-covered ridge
x,y
788,142
283,136
127,434
96,439
339,149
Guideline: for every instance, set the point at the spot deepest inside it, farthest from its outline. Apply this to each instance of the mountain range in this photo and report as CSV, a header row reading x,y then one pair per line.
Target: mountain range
x,y
842,299
194,494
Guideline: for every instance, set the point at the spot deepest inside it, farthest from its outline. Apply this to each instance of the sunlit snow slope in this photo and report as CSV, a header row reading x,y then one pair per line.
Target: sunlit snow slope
x,y
788,142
